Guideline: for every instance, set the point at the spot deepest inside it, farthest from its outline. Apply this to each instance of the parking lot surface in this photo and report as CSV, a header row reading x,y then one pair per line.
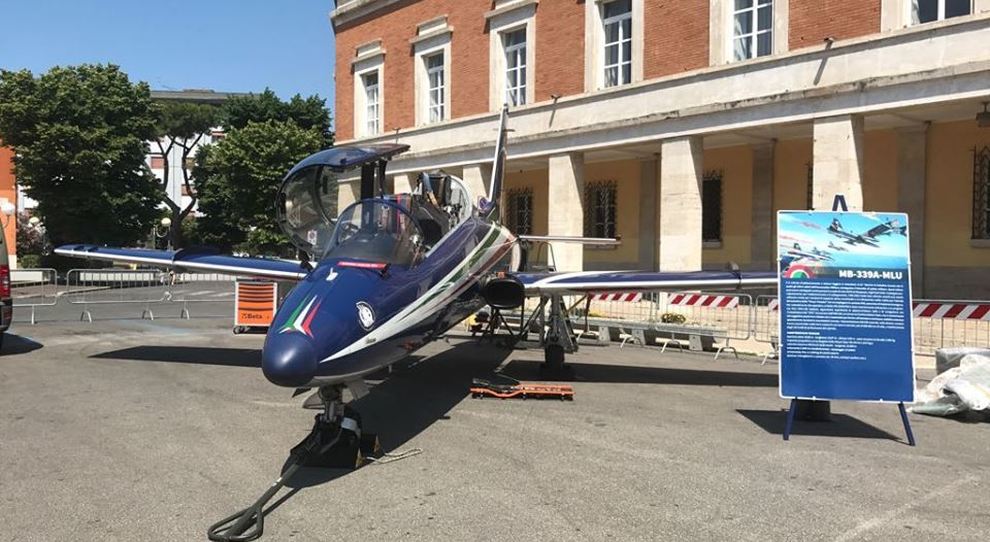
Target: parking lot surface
x,y
126,429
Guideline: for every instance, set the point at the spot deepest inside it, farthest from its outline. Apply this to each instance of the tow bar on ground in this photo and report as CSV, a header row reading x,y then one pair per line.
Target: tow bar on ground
x,y
525,390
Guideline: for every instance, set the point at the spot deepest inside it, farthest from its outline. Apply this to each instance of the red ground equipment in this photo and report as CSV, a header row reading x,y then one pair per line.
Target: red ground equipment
x,y
526,390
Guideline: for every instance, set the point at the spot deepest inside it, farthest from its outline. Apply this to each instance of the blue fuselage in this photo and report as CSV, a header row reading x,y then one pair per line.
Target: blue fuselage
x,y
350,317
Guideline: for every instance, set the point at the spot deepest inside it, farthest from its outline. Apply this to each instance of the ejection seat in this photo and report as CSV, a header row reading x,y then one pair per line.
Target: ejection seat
x,y
427,207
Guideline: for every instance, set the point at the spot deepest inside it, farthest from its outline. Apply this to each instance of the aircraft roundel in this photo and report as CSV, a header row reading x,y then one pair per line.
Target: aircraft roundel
x,y
366,315
798,272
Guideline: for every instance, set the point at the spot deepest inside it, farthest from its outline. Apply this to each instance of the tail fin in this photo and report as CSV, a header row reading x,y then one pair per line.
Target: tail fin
x,y
498,168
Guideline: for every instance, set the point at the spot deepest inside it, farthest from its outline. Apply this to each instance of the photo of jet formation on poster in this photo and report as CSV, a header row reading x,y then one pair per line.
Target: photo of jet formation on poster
x,y
845,306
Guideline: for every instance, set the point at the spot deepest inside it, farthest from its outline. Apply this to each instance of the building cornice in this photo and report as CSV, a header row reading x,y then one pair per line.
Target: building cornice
x,y
350,10
509,7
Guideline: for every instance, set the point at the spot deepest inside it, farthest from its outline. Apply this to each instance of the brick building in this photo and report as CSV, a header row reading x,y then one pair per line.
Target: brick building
x,y
684,126
8,202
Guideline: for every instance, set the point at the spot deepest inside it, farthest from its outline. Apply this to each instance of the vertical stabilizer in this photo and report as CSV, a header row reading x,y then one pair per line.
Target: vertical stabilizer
x,y
498,167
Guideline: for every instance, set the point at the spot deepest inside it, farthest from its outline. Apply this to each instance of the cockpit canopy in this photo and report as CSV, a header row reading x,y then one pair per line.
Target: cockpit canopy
x,y
306,205
377,231
394,229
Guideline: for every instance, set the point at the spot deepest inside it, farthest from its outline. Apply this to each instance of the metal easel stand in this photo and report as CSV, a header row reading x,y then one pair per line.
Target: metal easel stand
x,y
796,405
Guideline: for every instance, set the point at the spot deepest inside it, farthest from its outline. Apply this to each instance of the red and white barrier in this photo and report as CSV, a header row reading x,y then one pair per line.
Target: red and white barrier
x,y
703,300
952,311
621,296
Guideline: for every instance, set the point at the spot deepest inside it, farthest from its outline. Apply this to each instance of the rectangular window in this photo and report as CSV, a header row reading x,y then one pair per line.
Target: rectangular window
x,y
981,193
617,19
599,209
752,29
371,104
520,211
927,11
435,86
711,206
515,66
157,161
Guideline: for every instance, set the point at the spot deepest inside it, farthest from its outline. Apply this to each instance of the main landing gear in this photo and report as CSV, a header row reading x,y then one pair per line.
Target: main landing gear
x,y
336,441
558,340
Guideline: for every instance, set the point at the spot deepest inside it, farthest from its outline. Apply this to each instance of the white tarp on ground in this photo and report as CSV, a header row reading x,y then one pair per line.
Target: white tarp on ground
x,y
962,388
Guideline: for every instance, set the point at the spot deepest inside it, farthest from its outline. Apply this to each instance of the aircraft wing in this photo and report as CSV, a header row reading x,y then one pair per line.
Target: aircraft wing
x,y
877,230
626,281
208,262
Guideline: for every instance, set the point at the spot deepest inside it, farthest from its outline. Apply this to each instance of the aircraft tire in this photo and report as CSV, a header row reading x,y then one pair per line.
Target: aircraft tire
x,y
554,356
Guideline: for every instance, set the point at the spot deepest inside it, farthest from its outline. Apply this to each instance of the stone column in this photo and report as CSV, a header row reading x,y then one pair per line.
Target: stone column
x,y
477,177
347,193
912,164
647,214
681,163
762,242
403,183
838,161
566,213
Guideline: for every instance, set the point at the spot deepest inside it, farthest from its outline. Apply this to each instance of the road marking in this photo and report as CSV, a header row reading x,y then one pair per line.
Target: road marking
x,y
869,525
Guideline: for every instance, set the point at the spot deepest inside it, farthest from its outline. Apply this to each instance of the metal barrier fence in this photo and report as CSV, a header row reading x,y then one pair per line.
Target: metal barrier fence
x,y
193,288
948,323
87,287
700,319
717,314
34,288
660,317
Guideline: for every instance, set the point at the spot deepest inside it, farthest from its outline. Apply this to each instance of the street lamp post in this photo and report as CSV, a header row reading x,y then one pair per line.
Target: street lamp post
x,y
166,225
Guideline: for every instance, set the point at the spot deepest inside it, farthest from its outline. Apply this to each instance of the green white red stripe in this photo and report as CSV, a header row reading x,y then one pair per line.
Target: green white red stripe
x,y
301,318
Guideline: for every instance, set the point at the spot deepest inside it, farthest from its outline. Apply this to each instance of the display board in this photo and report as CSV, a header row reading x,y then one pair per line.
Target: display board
x,y
845,306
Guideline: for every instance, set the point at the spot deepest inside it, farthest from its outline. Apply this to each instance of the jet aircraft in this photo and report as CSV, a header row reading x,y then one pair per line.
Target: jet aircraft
x,y
815,253
393,272
868,237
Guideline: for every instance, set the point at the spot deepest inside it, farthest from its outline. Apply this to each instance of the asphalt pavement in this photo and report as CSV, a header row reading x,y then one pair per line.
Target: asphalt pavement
x,y
131,429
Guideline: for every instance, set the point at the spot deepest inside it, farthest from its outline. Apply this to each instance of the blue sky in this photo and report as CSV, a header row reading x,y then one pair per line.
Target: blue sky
x,y
229,45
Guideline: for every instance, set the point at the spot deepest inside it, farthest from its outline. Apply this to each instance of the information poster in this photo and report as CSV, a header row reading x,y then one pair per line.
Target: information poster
x,y
845,306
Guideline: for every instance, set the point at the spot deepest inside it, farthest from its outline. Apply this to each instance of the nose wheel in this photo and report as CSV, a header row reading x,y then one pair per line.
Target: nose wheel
x,y
336,441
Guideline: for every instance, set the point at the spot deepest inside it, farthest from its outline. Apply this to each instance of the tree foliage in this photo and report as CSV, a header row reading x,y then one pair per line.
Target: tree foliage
x,y
181,125
238,179
307,113
80,134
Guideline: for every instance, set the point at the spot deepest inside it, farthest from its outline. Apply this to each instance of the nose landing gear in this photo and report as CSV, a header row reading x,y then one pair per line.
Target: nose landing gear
x,y
336,441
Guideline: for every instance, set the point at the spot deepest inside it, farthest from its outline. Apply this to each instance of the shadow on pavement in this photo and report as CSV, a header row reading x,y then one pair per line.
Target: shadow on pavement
x,y
16,344
200,355
593,372
772,421
412,399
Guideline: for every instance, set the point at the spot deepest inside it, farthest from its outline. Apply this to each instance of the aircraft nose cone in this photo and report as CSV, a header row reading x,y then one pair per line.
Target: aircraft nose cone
x,y
288,359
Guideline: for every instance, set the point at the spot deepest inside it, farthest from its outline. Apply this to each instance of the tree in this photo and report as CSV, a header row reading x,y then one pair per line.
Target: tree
x,y
238,179
307,113
80,134
182,125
